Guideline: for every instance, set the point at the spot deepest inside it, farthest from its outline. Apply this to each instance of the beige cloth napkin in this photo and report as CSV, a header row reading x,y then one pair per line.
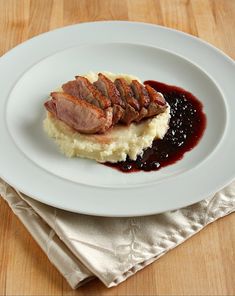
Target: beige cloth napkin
x,y
112,249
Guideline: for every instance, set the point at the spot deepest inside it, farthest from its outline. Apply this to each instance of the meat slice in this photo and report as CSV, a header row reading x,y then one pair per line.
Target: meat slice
x,y
109,120
72,88
126,93
91,94
140,93
155,96
77,113
108,89
130,115
142,114
131,104
118,113
142,96
157,102
51,106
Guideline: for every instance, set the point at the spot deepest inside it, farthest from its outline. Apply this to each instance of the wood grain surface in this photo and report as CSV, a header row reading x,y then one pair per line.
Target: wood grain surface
x,y
205,264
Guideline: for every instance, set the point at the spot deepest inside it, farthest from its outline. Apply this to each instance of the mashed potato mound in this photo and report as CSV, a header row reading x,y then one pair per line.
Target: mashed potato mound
x,y
117,143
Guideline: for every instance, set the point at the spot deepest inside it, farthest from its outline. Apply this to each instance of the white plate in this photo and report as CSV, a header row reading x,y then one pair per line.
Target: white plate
x,y
31,162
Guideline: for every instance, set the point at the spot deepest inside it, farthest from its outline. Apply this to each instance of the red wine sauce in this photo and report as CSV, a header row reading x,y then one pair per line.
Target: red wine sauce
x,y
187,125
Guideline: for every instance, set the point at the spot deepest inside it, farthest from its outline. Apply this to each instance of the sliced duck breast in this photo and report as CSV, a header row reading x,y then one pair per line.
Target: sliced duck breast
x,y
95,108
77,113
91,94
126,93
131,104
157,102
108,89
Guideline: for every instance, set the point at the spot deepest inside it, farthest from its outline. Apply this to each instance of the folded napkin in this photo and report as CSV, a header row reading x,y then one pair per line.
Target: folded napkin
x,y
112,249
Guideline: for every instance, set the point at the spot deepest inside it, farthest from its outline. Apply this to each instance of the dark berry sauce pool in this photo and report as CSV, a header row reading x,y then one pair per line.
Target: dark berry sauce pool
x,y
187,125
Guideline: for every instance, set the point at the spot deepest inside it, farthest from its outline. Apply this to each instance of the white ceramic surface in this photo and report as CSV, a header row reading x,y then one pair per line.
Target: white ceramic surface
x,y
31,162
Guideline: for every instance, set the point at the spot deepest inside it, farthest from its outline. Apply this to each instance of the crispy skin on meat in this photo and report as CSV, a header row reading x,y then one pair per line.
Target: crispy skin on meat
x,y
140,93
100,85
157,102
155,96
91,94
72,88
79,114
142,96
108,89
95,108
126,93
131,104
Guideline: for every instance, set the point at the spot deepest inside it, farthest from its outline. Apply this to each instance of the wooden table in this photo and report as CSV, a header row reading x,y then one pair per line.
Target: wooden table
x,y
204,265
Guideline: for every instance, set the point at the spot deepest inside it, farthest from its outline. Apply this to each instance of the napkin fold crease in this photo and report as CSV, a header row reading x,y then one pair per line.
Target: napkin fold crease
x,y
83,247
